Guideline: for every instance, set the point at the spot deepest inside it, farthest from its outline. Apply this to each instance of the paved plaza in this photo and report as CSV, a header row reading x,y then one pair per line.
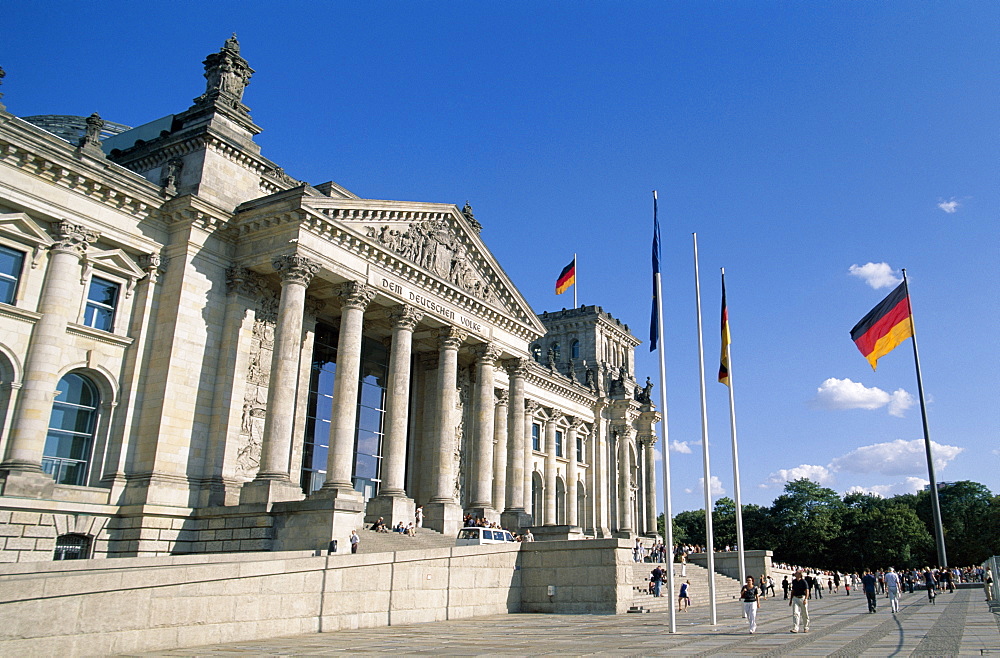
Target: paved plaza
x,y
958,624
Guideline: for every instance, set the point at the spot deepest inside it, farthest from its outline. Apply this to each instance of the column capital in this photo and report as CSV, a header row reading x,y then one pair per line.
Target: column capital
x,y
451,337
555,414
516,367
356,295
502,396
73,238
152,264
404,316
486,353
530,407
295,269
575,423
647,440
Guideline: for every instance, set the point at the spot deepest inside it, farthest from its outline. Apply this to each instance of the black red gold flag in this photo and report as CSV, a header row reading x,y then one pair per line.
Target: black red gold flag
x,y
886,326
726,339
566,278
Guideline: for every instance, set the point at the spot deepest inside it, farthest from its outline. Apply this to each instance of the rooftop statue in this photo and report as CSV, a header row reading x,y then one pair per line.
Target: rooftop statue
x,y
227,75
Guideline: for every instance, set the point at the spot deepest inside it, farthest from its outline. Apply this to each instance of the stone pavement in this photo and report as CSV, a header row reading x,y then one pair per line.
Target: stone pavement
x,y
958,624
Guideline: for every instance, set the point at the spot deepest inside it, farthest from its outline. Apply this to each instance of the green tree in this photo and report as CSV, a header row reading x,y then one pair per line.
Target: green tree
x,y
724,522
691,527
965,509
879,533
806,522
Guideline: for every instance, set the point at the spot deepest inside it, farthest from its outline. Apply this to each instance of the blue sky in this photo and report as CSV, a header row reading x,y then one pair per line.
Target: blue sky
x,y
799,140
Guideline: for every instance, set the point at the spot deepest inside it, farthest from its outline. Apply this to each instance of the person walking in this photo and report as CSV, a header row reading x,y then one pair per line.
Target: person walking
x,y
931,583
656,576
870,583
800,604
892,584
751,603
683,600
784,587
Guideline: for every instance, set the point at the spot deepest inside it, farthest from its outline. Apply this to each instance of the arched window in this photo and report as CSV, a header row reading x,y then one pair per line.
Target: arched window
x,y
560,502
536,352
575,350
536,499
71,430
72,547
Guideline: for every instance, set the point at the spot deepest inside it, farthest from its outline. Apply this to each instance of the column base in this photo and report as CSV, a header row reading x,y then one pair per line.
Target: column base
x,y
269,491
311,524
515,519
488,513
446,518
557,532
392,510
27,484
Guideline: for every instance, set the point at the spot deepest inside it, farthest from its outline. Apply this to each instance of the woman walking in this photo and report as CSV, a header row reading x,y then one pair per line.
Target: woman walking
x,y
751,602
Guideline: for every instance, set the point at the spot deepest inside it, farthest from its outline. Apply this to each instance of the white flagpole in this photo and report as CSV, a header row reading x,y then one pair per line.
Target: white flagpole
x,y
736,454
576,283
668,525
709,539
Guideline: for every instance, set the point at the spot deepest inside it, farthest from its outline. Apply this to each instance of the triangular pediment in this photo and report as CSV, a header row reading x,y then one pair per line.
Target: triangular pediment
x,y
436,240
117,261
19,226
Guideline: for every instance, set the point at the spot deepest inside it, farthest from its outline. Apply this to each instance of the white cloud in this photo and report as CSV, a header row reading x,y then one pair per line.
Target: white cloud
x,y
951,206
820,474
680,446
877,275
907,486
715,488
897,457
836,393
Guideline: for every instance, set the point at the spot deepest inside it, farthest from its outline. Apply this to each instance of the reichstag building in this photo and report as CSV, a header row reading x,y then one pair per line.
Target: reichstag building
x,y
199,353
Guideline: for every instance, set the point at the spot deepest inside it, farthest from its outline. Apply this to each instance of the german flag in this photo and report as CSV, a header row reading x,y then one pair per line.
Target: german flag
x,y
566,278
726,339
886,326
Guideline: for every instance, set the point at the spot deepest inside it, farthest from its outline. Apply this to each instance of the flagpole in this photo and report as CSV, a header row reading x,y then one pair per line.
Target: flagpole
x,y
935,503
576,283
668,522
709,539
736,452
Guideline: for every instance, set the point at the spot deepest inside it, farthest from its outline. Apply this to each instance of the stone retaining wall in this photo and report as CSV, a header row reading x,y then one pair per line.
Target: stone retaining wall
x,y
143,604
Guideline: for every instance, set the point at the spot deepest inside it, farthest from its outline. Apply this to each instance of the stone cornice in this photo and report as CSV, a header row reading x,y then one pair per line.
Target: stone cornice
x,y
541,378
98,335
8,311
54,161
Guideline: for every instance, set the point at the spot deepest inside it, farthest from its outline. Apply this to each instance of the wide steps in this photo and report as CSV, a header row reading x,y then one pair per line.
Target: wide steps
x,y
392,542
726,589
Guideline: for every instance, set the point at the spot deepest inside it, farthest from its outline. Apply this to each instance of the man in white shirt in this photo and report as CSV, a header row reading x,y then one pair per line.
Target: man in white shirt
x,y
892,584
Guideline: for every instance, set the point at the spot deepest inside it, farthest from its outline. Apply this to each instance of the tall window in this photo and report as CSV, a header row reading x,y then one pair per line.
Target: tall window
x,y
11,262
536,437
559,443
371,414
579,449
320,411
102,300
556,351
575,349
71,430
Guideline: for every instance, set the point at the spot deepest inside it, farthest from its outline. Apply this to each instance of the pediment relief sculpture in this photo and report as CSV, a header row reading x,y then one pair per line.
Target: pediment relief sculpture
x,y
432,245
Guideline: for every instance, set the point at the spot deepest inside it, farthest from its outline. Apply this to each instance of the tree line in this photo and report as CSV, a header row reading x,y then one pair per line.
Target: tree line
x,y
812,525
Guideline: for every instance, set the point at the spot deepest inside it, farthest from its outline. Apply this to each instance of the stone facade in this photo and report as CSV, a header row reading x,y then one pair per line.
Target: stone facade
x,y
200,353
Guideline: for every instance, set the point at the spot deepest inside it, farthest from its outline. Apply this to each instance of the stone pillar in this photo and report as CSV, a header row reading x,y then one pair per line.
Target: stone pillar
x,y
21,470
550,470
272,483
355,298
572,518
392,503
530,407
624,482
650,481
500,499
514,515
442,513
482,487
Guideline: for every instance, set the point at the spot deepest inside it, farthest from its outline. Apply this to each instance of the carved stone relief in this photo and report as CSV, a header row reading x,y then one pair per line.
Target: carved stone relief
x,y
432,245
258,376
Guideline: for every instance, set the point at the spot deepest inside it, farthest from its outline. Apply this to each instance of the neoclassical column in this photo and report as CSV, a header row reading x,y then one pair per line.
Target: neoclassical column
x,y
648,442
572,518
530,407
516,368
296,272
449,340
549,496
500,463
624,480
482,491
355,298
404,319
59,301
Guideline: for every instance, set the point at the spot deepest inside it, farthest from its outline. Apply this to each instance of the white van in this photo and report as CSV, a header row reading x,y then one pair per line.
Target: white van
x,y
479,536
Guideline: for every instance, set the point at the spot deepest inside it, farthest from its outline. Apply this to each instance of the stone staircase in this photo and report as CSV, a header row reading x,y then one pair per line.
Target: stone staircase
x,y
391,542
727,589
